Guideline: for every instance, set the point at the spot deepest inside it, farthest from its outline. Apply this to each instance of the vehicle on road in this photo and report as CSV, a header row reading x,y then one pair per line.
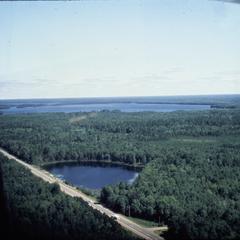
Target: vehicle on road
x,y
115,216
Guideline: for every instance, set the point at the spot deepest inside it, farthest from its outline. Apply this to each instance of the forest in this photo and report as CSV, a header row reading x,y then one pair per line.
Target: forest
x,y
33,209
133,138
191,162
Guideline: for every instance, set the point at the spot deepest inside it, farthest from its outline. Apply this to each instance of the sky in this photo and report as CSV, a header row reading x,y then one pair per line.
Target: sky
x,y
119,48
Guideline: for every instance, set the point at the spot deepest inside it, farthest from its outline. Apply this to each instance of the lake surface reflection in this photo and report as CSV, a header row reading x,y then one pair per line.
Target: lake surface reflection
x,y
124,107
92,177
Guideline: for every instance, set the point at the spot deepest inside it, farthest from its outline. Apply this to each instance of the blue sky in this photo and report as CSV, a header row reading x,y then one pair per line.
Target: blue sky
x,y
119,48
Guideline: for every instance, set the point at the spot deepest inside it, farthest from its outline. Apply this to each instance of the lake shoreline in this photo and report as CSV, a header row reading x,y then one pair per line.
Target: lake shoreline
x,y
101,163
92,175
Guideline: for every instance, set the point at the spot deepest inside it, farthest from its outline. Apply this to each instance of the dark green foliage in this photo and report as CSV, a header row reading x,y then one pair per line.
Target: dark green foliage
x,y
38,210
191,179
195,191
126,137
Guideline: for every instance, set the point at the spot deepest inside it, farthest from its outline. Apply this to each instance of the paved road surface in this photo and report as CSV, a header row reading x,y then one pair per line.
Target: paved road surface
x,y
72,191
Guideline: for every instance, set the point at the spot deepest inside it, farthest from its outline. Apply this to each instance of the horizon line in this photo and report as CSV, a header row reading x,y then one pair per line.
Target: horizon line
x,y
139,96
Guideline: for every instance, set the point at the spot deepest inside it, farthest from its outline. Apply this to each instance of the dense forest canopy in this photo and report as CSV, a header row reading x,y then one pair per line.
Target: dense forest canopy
x,y
126,137
38,210
191,178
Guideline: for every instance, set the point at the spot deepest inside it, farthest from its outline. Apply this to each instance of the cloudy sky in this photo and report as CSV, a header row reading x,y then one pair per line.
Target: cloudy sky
x,y
119,48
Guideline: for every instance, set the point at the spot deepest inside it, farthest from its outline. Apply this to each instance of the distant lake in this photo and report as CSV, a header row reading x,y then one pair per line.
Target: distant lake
x,y
89,107
92,177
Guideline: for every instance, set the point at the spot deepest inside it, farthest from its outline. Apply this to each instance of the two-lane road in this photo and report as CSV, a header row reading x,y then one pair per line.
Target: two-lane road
x,y
72,191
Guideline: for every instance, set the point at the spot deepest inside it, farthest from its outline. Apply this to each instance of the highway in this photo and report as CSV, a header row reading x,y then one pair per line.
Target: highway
x,y
140,231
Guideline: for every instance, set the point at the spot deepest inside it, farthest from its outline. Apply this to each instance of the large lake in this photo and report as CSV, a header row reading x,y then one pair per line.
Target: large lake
x,y
124,107
92,177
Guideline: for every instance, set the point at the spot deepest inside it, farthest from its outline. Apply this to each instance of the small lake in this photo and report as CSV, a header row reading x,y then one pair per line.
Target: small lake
x,y
92,176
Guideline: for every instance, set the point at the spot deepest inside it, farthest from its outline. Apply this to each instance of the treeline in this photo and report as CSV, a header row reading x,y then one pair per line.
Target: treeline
x,y
133,138
38,210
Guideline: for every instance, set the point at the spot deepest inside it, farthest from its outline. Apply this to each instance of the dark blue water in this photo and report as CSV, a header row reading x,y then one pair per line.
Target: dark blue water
x,y
93,177
124,107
